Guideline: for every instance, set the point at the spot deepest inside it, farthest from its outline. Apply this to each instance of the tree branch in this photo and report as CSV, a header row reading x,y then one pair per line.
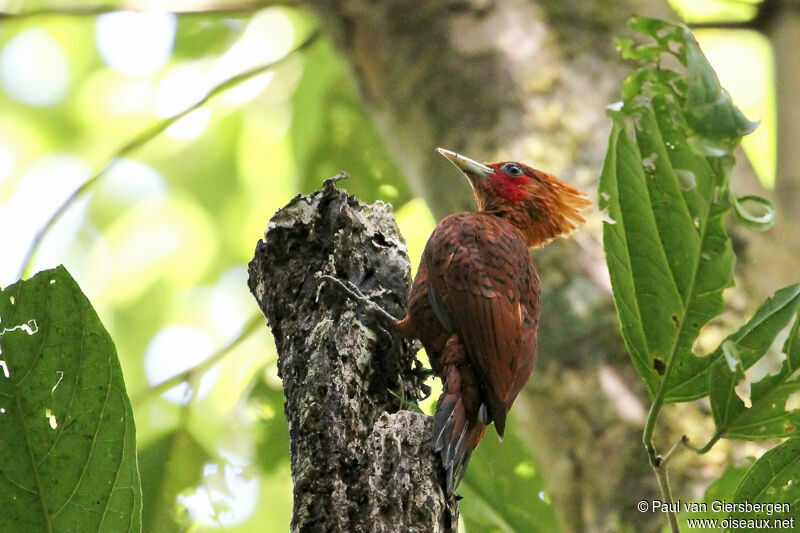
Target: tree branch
x,y
725,25
232,9
198,370
358,464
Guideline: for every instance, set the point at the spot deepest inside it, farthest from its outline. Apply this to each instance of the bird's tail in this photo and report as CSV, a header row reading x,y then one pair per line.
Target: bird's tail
x,y
459,422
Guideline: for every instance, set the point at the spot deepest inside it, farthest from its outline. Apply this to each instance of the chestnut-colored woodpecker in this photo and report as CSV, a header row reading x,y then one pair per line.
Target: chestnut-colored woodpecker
x,y
474,303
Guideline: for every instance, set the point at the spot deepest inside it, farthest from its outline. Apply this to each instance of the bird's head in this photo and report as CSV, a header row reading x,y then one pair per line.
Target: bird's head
x,y
540,205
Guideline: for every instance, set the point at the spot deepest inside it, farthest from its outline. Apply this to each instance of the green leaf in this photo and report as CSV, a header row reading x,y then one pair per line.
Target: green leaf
x,y
67,436
503,490
271,429
722,489
200,36
752,340
767,417
662,31
170,465
724,376
667,35
710,112
665,185
642,284
709,108
668,255
772,480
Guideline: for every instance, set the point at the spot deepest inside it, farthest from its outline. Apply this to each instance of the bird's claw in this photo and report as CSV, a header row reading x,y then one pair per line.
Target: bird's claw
x,y
426,372
425,391
357,296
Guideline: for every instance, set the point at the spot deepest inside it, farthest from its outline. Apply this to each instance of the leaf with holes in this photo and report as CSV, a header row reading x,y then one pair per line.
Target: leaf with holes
x,y
747,345
67,437
665,186
767,417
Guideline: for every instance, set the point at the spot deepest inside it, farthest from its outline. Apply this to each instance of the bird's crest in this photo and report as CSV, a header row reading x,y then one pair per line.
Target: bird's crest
x,y
539,204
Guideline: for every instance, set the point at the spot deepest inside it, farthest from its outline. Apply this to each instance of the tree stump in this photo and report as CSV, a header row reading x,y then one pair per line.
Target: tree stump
x,y
359,463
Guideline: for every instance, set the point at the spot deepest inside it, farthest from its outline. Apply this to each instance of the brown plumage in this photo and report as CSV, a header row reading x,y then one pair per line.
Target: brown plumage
x,y
474,303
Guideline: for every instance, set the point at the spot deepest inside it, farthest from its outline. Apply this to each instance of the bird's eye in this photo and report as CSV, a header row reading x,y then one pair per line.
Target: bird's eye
x,y
513,169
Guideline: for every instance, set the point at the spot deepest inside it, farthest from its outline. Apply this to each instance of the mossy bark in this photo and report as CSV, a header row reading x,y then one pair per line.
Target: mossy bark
x,y
359,463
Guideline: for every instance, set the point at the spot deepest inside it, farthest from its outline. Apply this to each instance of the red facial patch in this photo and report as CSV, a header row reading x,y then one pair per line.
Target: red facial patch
x,y
506,186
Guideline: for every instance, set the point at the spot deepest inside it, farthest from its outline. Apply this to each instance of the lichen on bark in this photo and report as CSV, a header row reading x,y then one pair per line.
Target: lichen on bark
x,y
359,463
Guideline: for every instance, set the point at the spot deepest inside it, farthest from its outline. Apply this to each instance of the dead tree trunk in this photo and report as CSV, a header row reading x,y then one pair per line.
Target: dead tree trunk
x,y
358,462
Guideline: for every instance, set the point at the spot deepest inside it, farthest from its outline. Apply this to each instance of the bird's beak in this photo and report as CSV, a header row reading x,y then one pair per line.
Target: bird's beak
x,y
471,168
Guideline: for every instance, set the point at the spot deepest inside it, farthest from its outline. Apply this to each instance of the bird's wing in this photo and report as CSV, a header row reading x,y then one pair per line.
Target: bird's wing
x,y
480,270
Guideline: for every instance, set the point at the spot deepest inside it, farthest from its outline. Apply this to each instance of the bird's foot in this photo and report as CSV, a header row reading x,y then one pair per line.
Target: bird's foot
x,y
425,391
357,296
426,372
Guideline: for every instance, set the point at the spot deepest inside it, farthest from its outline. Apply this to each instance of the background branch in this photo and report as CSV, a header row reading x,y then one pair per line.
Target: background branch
x,y
231,9
143,138
197,371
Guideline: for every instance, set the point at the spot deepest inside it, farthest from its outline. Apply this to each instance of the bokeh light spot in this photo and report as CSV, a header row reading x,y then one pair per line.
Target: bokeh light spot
x,y
176,349
268,37
136,44
156,239
33,68
42,188
229,496
131,96
230,302
7,162
190,126
182,87
129,180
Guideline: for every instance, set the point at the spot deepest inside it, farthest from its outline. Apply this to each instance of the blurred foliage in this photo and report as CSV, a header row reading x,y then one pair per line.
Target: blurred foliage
x,y
722,489
503,490
161,239
168,466
693,11
271,429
